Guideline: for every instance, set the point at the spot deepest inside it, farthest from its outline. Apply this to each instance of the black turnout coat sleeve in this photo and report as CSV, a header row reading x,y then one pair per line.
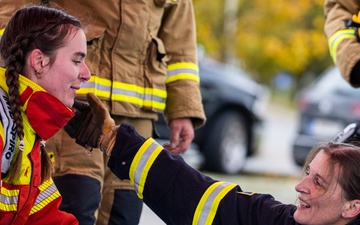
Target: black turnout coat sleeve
x,y
173,189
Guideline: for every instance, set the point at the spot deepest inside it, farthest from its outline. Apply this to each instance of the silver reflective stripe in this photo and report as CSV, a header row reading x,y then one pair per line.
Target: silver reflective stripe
x,y
207,207
337,38
93,84
48,192
182,71
142,163
8,200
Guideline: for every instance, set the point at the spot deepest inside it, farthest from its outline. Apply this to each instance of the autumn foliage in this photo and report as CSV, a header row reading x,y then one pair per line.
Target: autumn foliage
x,y
265,36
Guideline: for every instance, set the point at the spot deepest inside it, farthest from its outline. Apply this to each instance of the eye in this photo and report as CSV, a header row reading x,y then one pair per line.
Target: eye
x,y
307,171
318,182
77,62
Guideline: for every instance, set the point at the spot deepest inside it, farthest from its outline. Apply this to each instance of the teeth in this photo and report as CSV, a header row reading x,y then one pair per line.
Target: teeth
x,y
303,204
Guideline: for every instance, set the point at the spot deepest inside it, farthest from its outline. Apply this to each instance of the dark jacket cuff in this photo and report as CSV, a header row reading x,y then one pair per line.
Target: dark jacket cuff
x,y
128,142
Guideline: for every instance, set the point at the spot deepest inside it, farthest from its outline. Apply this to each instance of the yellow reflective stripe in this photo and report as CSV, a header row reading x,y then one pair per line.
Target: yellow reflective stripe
x,y
206,209
99,86
2,31
182,71
8,199
2,136
124,92
337,38
142,163
48,193
131,93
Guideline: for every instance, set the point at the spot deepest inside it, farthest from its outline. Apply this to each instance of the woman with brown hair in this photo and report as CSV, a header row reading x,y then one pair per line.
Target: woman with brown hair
x,y
43,51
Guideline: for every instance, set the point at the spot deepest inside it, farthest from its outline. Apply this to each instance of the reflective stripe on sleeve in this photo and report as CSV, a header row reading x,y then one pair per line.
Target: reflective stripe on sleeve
x,y
206,210
147,97
98,86
142,163
124,92
337,38
182,71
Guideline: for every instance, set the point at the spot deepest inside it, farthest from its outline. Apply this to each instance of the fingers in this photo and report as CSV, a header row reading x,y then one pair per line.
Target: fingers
x,y
99,110
177,148
95,103
182,134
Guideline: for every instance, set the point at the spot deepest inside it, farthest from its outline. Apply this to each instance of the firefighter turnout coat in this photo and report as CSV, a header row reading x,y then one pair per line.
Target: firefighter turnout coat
x,y
142,55
343,40
26,200
180,195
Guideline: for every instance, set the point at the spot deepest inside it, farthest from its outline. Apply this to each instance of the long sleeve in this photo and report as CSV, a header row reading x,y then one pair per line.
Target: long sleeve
x,y
178,33
343,44
179,194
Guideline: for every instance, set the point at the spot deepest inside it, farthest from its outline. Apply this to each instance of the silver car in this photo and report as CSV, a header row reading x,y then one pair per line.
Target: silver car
x,y
326,107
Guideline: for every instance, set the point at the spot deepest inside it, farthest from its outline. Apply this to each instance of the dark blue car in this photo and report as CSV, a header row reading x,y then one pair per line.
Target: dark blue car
x,y
233,103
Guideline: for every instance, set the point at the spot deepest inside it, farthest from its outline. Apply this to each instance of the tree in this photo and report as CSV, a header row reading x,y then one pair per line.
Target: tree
x,y
270,36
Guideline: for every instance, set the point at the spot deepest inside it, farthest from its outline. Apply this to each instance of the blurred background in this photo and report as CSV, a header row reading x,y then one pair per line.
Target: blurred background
x,y
268,39
270,92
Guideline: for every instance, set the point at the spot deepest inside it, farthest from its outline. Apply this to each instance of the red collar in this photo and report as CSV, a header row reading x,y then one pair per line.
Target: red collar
x,y
46,114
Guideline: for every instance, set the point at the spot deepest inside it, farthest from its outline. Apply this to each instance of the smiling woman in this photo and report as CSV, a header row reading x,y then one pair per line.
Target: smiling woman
x,y
43,51
329,193
330,186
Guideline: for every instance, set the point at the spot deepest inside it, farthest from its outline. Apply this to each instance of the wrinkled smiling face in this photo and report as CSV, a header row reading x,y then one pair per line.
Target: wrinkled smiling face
x,y
63,78
320,195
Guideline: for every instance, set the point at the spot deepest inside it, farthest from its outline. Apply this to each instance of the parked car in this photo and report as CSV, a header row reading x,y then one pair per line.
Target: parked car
x,y
233,104
326,107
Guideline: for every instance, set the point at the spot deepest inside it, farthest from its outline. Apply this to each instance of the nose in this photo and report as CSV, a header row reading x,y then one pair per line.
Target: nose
x,y
302,186
84,73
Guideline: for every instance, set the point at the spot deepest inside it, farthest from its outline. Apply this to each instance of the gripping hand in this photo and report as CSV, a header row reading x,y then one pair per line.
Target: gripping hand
x,y
91,122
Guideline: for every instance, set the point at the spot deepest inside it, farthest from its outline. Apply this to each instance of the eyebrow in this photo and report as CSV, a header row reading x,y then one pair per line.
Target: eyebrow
x,y
323,180
317,175
81,54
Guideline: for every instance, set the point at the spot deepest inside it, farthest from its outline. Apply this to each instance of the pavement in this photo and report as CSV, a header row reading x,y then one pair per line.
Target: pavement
x,y
270,170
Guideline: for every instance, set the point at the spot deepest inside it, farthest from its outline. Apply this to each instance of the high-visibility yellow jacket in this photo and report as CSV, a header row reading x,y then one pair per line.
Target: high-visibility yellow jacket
x,y
343,44
26,200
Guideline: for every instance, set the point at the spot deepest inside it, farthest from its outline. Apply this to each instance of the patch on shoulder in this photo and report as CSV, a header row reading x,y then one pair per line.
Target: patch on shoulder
x,y
247,193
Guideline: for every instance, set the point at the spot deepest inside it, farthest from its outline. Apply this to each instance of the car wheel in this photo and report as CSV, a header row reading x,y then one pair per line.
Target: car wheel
x,y
225,148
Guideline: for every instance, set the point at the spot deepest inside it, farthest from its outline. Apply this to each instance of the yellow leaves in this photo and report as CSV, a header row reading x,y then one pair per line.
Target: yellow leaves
x,y
271,35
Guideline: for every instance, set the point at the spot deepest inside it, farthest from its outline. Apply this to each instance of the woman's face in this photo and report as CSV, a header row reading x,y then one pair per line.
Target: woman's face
x,y
320,195
63,78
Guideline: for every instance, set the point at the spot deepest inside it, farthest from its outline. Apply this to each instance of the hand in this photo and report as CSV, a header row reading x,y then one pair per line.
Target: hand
x,y
182,134
107,142
91,122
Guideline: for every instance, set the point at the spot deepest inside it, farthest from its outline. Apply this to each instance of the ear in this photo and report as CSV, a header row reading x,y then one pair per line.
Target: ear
x,y
352,209
36,57
38,60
